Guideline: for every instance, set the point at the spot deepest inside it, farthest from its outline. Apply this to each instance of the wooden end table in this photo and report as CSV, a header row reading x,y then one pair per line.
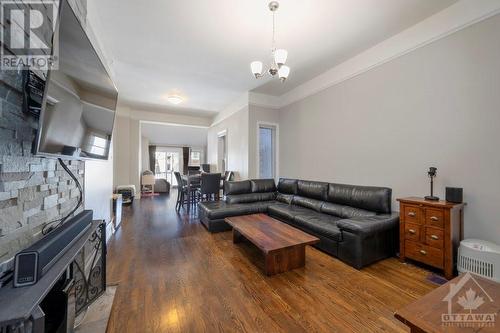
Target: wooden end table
x,y
447,308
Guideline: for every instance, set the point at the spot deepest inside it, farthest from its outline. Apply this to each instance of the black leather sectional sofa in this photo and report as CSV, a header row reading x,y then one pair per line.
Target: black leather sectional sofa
x,y
353,223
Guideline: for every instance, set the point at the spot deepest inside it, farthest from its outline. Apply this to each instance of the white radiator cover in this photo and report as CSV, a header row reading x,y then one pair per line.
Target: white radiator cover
x,y
479,257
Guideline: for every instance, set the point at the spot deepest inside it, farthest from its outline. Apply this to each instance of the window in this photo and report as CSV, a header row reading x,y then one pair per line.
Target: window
x,y
160,168
98,146
195,158
166,163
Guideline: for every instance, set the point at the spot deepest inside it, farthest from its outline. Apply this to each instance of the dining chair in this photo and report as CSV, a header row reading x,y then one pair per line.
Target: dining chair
x,y
193,172
205,168
181,190
210,186
228,177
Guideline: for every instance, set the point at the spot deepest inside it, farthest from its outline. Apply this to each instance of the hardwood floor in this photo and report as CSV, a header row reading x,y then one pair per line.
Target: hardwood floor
x,y
174,276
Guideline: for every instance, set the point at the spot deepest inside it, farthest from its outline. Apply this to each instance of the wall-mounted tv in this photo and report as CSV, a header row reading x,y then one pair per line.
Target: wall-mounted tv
x,y
77,111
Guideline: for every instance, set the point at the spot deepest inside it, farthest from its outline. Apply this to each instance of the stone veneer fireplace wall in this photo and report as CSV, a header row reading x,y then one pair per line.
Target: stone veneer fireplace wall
x,y
33,191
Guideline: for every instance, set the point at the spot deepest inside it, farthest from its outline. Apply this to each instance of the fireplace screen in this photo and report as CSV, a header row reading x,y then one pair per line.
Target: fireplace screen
x,y
90,270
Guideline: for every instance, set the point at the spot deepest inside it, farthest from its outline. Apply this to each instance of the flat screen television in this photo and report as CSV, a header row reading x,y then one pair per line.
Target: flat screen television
x,y
77,102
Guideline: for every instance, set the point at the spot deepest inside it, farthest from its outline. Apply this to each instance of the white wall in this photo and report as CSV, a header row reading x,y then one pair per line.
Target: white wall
x,y
237,143
127,140
99,175
99,187
175,135
126,149
144,153
436,106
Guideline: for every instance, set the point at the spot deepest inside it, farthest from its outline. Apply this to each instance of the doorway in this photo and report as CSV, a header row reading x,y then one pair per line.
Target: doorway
x,y
167,162
222,151
267,148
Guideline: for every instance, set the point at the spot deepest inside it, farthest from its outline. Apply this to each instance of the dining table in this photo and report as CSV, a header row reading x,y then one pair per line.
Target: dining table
x,y
191,181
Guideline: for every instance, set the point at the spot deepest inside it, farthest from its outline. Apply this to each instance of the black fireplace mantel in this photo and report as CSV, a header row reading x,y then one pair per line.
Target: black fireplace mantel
x,y
18,304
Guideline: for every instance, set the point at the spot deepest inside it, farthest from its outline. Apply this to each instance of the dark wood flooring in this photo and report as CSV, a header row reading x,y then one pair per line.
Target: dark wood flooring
x,y
174,276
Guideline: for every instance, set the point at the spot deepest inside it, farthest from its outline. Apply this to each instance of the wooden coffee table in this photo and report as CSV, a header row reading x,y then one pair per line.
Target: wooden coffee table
x,y
284,247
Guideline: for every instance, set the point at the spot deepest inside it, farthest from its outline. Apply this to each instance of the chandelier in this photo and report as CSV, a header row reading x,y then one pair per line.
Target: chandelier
x,y
278,56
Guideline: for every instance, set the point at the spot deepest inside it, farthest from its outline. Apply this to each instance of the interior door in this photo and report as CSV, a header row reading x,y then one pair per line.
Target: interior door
x,y
267,152
222,153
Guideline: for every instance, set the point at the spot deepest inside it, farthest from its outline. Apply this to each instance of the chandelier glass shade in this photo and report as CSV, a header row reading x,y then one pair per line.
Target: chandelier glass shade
x,y
256,67
279,56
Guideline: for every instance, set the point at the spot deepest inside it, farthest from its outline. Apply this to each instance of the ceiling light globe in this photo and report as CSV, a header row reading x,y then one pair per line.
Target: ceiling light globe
x,y
175,99
280,56
256,67
283,72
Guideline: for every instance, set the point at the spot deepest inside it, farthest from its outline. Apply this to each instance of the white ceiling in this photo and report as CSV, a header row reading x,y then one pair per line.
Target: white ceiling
x,y
202,48
174,135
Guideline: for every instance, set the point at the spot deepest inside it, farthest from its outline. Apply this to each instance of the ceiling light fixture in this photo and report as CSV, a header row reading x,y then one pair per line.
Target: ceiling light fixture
x,y
175,99
278,55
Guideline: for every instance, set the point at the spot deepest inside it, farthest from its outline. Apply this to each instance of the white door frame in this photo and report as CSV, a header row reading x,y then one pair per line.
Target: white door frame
x,y
276,147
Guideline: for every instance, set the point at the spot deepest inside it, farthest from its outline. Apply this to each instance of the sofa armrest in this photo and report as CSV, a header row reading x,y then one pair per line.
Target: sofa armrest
x,y
369,225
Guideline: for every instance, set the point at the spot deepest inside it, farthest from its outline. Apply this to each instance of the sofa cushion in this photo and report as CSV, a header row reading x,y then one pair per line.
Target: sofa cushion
x,y
239,187
376,199
344,211
286,212
320,224
250,197
367,226
287,186
215,210
284,198
263,185
307,203
340,194
313,190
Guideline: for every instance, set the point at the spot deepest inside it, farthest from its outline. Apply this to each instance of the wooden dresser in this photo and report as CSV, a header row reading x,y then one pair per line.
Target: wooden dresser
x,y
430,232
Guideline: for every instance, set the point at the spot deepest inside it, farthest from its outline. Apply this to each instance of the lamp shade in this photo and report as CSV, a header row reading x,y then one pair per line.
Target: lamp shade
x,y
280,56
256,67
283,72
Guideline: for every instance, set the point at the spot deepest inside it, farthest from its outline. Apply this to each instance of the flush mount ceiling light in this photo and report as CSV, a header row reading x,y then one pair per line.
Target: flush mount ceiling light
x,y
278,55
175,99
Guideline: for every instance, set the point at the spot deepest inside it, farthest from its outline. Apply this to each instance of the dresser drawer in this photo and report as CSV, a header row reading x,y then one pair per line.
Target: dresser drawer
x,y
434,237
423,253
412,231
434,217
412,214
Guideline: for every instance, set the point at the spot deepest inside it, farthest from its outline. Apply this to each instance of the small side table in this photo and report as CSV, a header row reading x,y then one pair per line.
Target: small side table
x,y
430,232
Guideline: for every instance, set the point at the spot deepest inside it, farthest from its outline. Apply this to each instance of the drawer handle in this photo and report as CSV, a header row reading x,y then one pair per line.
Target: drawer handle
x,y
434,218
412,214
411,231
423,252
434,237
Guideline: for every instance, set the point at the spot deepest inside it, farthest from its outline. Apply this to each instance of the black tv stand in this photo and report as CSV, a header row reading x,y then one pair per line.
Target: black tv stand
x,y
21,309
